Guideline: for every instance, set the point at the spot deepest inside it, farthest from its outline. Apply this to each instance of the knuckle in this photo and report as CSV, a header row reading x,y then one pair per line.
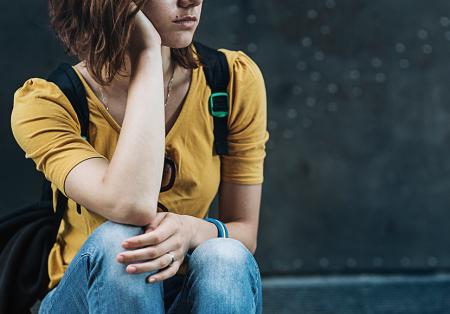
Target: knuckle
x,y
150,253
161,263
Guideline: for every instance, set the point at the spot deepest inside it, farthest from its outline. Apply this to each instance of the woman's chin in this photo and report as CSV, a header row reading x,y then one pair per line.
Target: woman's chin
x,y
177,42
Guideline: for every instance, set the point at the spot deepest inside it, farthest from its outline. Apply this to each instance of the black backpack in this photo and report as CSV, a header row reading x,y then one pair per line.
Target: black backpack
x,y
27,234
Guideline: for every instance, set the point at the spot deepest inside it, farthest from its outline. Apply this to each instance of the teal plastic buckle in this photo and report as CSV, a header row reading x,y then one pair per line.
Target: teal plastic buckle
x,y
221,106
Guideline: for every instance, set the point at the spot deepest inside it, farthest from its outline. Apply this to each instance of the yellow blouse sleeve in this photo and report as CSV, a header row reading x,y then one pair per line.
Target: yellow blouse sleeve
x,y
46,127
248,133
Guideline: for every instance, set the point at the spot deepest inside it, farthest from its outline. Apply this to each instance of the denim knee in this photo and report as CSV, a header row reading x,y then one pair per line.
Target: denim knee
x,y
95,281
104,244
109,235
221,262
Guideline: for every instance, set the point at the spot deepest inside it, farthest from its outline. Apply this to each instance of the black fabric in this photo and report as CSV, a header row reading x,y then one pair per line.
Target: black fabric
x,y
70,84
217,73
27,234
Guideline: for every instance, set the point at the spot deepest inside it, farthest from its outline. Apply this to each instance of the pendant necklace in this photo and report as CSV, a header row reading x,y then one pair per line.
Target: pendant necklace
x,y
169,87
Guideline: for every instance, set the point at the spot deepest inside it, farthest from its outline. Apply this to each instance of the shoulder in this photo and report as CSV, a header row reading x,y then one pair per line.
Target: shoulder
x,y
40,99
38,88
242,66
38,93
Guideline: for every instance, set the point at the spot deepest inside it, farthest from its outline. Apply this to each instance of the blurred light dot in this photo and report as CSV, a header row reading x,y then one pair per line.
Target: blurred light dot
x,y
354,74
422,34
445,21
380,77
400,47
332,107
319,55
272,125
377,62
356,91
324,262
292,113
330,4
311,101
332,88
252,47
351,262
427,49
315,76
325,29
233,9
297,90
298,263
302,65
287,134
306,42
377,262
404,63
312,14
251,19
405,261
432,261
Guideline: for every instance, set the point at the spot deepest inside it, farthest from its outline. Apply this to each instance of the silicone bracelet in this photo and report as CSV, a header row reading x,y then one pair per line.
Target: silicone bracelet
x,y
221,228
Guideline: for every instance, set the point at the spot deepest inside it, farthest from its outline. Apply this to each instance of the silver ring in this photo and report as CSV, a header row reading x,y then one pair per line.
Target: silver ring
x,y
173,258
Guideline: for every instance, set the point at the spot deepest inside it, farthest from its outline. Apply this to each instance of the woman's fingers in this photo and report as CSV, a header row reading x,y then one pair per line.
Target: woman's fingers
x,y
165,273
152,237
150,252
156,264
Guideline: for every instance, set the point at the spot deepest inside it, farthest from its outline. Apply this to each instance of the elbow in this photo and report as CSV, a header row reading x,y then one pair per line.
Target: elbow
x,y
136,213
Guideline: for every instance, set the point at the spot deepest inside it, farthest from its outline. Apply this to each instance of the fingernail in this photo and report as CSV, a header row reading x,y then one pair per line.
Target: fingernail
x,y
152,280
131,269
120,258
125,243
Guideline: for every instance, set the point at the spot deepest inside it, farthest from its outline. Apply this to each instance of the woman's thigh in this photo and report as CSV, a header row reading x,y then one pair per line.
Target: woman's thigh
x,y
96,282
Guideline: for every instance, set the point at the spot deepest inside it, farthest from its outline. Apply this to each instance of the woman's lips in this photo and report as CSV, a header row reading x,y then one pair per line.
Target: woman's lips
x,y
186,22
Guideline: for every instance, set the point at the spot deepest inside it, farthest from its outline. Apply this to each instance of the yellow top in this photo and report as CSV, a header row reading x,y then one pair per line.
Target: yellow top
x,y
46,127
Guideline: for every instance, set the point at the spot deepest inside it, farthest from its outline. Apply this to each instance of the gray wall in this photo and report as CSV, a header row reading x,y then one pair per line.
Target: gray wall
x,y
357,175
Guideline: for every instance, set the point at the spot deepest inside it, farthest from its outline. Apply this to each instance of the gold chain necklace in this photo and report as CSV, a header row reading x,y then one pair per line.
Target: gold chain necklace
x,y
169,88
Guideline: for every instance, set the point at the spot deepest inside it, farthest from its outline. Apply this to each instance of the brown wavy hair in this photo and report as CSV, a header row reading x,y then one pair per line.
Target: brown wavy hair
x,y
98,31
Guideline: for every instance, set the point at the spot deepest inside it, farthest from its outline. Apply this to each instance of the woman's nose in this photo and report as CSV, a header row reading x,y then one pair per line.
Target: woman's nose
x,y
187,3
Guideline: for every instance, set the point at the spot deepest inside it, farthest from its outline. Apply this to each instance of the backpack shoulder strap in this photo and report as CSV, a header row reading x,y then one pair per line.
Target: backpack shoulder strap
x,y
70,84
68,81
217,75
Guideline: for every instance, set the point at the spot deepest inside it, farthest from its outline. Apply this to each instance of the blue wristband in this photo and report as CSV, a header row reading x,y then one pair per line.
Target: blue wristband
x,y
221,228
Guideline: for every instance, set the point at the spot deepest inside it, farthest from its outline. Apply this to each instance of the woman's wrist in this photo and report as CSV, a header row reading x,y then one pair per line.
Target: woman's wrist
x,y
143,57
201,230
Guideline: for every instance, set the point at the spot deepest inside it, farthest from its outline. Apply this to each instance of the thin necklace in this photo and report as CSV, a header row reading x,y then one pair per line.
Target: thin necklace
x,y
169,88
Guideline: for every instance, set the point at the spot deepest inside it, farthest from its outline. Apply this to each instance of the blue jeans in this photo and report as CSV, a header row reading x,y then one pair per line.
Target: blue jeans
x,y
222,277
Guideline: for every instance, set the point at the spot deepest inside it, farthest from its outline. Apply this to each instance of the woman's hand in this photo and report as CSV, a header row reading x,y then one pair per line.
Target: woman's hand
x,y
169,232
144,35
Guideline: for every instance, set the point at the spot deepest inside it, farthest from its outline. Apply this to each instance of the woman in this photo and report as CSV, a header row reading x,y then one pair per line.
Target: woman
x,y
146,94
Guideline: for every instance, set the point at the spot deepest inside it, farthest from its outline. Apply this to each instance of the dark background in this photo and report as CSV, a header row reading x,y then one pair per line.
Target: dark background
x,y
357,174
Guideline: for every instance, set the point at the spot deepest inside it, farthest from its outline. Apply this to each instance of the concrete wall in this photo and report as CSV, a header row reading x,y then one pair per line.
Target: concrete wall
x,y
357,175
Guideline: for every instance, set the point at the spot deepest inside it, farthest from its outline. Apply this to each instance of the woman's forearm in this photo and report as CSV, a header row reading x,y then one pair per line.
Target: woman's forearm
x,y
135,170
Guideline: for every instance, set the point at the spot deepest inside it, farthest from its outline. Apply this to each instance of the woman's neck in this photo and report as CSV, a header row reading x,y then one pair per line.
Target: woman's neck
x,y
122,81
